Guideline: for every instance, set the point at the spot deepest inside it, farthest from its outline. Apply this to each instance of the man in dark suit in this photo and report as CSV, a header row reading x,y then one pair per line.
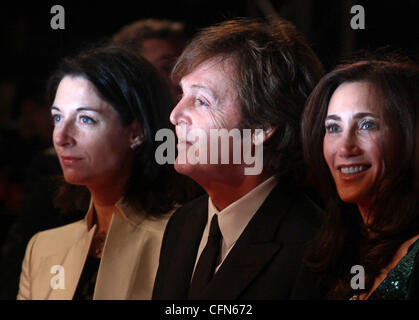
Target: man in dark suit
x,y
245,238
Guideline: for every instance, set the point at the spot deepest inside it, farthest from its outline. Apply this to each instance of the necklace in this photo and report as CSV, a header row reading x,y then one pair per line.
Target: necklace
x,y
98,243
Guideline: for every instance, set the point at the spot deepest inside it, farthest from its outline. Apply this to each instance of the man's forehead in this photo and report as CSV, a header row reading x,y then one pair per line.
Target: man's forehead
x,y
214,72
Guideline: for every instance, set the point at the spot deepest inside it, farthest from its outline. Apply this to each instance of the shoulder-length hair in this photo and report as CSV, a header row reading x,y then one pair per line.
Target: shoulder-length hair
x,y
274,72
344,240
132,86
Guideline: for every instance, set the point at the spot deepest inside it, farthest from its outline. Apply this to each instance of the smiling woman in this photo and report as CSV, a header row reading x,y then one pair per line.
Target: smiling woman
x,y
359,131
352,144
107,106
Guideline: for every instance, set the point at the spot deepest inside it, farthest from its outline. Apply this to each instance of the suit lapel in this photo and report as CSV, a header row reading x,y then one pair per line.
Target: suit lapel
x,y
187,247
252,251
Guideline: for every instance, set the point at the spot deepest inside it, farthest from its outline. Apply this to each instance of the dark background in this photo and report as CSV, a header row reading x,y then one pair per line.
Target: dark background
x,y
30,49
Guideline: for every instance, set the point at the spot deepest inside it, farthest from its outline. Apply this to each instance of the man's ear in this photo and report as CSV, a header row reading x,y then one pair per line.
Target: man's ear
x,y
262,135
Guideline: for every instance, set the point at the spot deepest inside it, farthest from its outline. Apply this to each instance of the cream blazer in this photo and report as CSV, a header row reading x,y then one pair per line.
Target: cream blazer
x,y
127,269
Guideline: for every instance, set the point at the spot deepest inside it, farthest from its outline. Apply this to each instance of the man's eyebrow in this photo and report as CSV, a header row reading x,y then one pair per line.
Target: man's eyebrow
x,y
205,88
199,86
195,86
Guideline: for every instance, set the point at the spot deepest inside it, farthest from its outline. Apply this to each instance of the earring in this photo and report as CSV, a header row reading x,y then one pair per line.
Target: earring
x,y
136,142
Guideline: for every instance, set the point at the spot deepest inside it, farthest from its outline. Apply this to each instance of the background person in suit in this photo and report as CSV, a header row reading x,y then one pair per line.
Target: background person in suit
x,y
108,105
359,138
241,73
160,41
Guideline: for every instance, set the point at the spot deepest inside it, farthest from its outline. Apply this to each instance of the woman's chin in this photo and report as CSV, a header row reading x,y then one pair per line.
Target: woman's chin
x,y
354,197
71,179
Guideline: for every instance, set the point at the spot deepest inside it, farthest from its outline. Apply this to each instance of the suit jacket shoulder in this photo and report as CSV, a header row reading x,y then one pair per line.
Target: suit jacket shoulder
x,y
298,212
56,240
263,264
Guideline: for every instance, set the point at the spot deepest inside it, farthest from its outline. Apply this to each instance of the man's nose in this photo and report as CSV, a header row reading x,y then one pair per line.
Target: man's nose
x,y
178,113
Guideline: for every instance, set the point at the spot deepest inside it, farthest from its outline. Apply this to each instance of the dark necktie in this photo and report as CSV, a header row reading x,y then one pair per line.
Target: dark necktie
x,y
207,262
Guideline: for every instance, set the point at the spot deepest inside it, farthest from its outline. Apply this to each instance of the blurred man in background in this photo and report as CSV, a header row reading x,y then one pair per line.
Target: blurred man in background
x,y
159,41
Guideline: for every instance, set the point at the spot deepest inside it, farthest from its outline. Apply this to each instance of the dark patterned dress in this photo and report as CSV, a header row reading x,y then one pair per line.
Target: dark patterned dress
x,y
401,282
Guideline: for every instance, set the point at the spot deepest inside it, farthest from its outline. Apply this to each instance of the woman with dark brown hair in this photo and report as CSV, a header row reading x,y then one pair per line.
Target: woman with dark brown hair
x,y
107,106
359,137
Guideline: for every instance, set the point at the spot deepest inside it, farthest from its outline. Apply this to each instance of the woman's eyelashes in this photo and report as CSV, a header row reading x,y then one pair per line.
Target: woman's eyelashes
x,y
55,118
87,120
362,125
82,119
368,124
332,127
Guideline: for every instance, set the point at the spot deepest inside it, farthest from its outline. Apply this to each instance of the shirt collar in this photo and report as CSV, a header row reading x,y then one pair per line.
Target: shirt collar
x,y
90,216
234,218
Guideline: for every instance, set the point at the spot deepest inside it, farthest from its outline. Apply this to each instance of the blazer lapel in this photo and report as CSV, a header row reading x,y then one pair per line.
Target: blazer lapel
x,y
118,262
72,263
123,272
252,251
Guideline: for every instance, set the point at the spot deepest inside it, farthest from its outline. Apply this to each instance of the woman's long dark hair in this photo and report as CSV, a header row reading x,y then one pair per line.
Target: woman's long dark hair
x,y
133,87
345,240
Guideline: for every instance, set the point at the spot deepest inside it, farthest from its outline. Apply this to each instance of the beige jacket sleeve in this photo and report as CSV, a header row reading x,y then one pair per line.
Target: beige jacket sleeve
x,y
25,277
